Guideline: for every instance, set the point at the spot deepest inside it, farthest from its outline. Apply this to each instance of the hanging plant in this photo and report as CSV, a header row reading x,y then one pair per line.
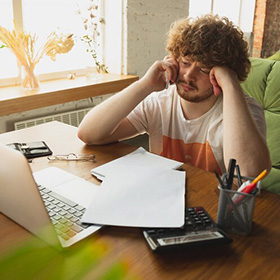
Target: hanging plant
x,y
92,23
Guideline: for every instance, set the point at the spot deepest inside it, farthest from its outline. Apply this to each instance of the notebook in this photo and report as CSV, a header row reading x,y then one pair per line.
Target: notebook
x,y
48,203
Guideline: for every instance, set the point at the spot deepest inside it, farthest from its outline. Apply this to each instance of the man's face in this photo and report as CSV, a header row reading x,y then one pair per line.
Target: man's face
x,y
193,83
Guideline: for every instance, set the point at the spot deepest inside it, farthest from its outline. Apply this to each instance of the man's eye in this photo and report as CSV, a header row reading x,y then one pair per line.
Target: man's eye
x,y
186,63
205,70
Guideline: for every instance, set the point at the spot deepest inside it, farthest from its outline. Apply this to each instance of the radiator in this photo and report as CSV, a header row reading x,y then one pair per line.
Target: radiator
x,y
72,117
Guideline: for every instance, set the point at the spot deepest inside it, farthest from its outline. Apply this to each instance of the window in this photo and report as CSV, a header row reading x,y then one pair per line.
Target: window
x,y
43,17
241,12
8,63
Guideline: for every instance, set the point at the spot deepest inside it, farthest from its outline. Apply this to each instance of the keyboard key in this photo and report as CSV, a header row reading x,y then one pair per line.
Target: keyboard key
x,y
55,201
63,199
80,208
51,213
72,211
60,204
68,223
78,214
71,233
41,188
50,206
47,203
74,219
62,220
56,217
61,228
62,212
76,228
65,236
45,190
66,208
68,216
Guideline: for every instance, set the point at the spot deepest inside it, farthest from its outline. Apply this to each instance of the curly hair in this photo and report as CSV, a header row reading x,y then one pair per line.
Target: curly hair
x,y
212,41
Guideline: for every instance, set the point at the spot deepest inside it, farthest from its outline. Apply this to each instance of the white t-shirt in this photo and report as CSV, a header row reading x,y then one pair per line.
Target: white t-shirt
x,y
197,141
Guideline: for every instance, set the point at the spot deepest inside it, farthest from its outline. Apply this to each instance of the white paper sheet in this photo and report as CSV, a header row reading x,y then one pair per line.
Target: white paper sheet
x,y
138,158
139,197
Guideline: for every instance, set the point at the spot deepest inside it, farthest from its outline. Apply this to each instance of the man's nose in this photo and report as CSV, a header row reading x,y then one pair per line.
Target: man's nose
x,y
190,73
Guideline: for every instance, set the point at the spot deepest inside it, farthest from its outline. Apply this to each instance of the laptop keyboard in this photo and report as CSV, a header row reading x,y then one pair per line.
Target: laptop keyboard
x,y
64,213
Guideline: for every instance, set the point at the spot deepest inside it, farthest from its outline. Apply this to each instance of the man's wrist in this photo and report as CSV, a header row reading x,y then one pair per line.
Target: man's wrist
x,y
144,88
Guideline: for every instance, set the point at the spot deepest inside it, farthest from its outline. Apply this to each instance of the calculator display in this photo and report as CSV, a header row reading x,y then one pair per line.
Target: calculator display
x,y
199,229
190,237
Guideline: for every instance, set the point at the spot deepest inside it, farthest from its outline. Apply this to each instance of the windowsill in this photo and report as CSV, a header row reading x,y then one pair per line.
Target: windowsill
x,y
14,99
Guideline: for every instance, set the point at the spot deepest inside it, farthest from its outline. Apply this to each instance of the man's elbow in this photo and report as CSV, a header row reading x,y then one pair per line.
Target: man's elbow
x,y
90,138
268,166
264,165
85,137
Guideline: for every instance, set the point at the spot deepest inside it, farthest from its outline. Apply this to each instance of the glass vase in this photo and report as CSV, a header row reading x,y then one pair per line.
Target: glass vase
x,y
29,79
92,74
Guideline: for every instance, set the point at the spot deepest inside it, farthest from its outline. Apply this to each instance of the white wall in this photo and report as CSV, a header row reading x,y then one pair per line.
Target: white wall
x,y
148,22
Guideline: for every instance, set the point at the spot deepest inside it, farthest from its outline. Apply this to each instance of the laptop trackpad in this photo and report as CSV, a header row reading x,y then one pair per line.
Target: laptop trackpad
x,y
66,184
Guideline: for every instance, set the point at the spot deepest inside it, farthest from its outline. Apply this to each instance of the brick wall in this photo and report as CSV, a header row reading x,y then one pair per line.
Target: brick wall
x,y
266,28
271,37
258,28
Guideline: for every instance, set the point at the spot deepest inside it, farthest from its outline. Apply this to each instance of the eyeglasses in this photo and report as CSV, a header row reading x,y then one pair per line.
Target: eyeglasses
x,y
72,157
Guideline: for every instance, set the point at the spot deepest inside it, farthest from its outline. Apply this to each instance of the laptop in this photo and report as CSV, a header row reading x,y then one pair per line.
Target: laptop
x,y
48,203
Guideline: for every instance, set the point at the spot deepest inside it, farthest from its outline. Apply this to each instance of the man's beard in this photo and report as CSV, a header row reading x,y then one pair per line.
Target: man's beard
x,y
193,95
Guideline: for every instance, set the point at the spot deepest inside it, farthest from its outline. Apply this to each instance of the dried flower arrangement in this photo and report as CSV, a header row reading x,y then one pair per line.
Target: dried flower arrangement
x,y
24,46
92,24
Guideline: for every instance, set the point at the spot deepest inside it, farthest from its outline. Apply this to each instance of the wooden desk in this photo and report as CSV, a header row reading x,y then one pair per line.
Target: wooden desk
x,y
124,249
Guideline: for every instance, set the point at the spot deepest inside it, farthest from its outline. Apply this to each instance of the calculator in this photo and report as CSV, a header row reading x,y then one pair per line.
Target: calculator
x,y
199,229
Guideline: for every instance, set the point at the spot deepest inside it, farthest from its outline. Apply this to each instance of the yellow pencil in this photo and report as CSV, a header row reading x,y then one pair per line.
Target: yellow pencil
x,y
258,178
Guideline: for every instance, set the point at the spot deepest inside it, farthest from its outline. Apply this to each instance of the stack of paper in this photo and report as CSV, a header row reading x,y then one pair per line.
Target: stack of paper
x,y
138,158
139,190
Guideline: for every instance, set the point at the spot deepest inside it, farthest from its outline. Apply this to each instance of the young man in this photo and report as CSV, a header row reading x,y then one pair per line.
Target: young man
x,y
203,118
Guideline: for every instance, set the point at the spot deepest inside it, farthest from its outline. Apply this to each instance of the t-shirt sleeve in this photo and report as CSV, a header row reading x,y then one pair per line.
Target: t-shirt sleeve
x,y
138,119
146,114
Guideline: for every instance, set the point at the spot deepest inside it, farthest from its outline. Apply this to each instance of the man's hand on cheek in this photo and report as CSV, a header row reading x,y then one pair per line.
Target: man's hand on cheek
x,y
173,68
216,86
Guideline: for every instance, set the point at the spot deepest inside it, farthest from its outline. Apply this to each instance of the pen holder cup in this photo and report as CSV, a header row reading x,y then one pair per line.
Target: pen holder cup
x,y
236,210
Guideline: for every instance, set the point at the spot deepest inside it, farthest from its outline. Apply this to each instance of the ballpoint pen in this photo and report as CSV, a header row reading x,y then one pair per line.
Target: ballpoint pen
x,y
238,175
220,180
231,167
